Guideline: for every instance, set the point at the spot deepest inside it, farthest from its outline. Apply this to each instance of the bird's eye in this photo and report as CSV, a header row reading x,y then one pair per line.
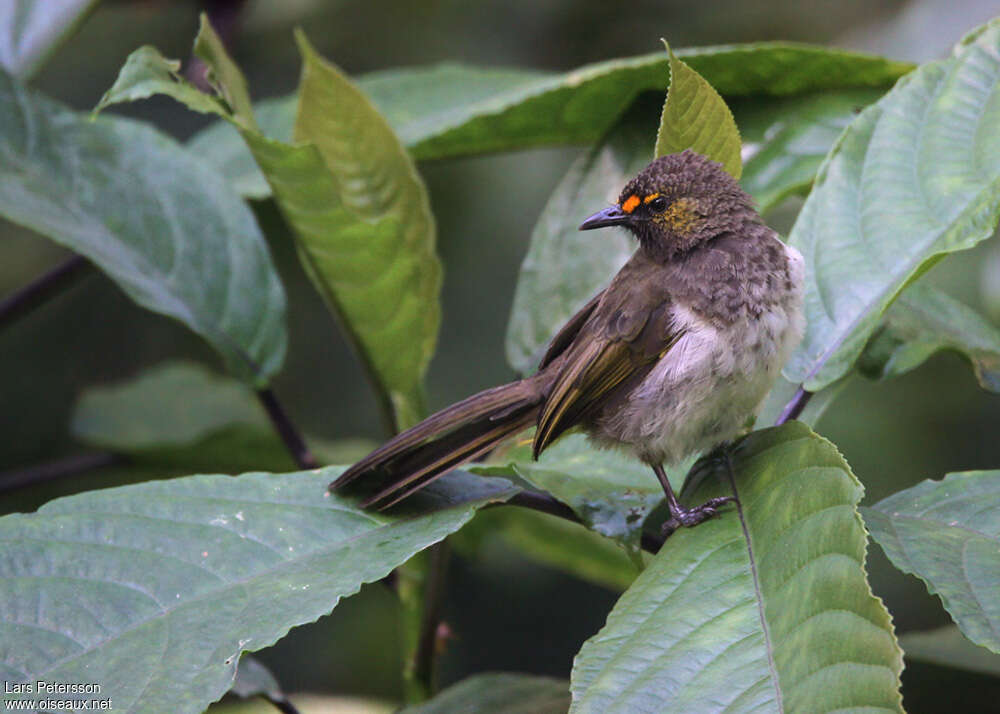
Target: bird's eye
x,y
658,204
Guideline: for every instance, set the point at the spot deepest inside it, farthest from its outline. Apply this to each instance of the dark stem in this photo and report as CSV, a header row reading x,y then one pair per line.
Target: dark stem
x,y
281,703
286,430
543,502
69,466
427,645
41,289
794,407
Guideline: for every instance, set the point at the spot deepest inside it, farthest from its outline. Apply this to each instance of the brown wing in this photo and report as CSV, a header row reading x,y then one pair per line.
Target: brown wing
x,y
623,339
568,332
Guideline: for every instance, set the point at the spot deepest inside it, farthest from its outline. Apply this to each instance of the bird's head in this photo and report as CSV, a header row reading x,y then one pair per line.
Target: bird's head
x,y
677,203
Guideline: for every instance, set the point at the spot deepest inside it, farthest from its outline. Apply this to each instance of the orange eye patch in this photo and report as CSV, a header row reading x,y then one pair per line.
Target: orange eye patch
x,y
630,203
650,198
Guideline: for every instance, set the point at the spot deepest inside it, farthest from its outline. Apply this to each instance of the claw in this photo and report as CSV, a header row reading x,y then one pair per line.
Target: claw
x,y
688,517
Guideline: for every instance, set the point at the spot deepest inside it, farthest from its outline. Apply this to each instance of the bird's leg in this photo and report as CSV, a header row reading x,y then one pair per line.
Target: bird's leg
x,y
680,516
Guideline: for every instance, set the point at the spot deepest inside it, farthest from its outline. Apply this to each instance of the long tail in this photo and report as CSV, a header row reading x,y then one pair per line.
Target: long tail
x,y
446,440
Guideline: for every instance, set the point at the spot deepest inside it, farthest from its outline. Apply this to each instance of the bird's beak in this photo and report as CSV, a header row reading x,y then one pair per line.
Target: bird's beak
x,y
611,216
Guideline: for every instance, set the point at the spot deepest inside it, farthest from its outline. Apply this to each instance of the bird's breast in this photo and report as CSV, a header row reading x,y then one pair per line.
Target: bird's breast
x,y
714,378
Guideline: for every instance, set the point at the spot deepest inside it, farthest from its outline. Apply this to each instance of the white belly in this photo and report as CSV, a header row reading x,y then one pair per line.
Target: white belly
x,y
706,387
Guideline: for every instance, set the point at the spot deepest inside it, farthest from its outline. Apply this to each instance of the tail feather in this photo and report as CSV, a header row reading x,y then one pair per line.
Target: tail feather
x,y
444,441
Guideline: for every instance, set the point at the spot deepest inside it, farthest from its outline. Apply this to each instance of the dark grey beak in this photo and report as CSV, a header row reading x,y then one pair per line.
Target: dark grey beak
x,y
611,216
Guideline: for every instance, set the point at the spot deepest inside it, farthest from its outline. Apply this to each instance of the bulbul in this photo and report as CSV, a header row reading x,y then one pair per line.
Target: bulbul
x,y
672,358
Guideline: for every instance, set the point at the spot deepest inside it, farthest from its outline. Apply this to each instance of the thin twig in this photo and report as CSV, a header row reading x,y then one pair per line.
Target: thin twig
x,y
45,286
424,658
543,502
69,466
286,430
795,406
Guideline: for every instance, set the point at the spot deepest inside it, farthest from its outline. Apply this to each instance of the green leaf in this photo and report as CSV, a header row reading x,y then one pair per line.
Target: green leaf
x,y
175,404
765,608
373,254
550,541
159,222
453,110
914,177
153,591
147,73
696,117
223,74
924,321
483,110
946,646
612,493
499,693
360,215
947,533
31,29
564,267
184,417
785,140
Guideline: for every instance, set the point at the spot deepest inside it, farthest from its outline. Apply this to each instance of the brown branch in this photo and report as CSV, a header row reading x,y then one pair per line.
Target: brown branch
x,y
424,659
795,406
289,434
38,291
69,466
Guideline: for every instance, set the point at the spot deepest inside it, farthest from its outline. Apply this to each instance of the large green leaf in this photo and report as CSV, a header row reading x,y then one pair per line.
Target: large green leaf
x,y
786,139
153,591
375,259
499,693
924,321
763,609
158,221
31,29
947,533
352,196
948,647
453,110
914,177
695,117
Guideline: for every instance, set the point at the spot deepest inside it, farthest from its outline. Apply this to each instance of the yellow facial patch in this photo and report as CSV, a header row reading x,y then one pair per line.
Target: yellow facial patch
x,y
630,203
680,216
650,198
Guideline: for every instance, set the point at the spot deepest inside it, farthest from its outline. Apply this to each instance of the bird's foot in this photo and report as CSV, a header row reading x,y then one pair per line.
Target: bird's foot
x,y
688,517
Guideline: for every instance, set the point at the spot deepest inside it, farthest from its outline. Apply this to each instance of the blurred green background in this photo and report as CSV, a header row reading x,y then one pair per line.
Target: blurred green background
x,y
506,613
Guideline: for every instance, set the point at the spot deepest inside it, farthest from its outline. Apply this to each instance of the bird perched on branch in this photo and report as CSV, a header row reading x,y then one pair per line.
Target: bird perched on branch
x,y
672,358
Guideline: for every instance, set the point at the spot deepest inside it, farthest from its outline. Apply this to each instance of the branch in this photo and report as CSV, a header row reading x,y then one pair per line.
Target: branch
x,y
427,643
69,466
45,286
289,434
795,406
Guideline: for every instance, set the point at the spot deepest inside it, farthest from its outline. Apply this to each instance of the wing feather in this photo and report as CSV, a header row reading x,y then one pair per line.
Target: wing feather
x,y
619,345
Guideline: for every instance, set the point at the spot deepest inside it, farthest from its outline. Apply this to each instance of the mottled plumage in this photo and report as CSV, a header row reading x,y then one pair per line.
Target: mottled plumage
x,y
672,358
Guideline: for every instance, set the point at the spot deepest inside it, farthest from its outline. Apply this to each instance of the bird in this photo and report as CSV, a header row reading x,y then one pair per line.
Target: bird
x,y
674,357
